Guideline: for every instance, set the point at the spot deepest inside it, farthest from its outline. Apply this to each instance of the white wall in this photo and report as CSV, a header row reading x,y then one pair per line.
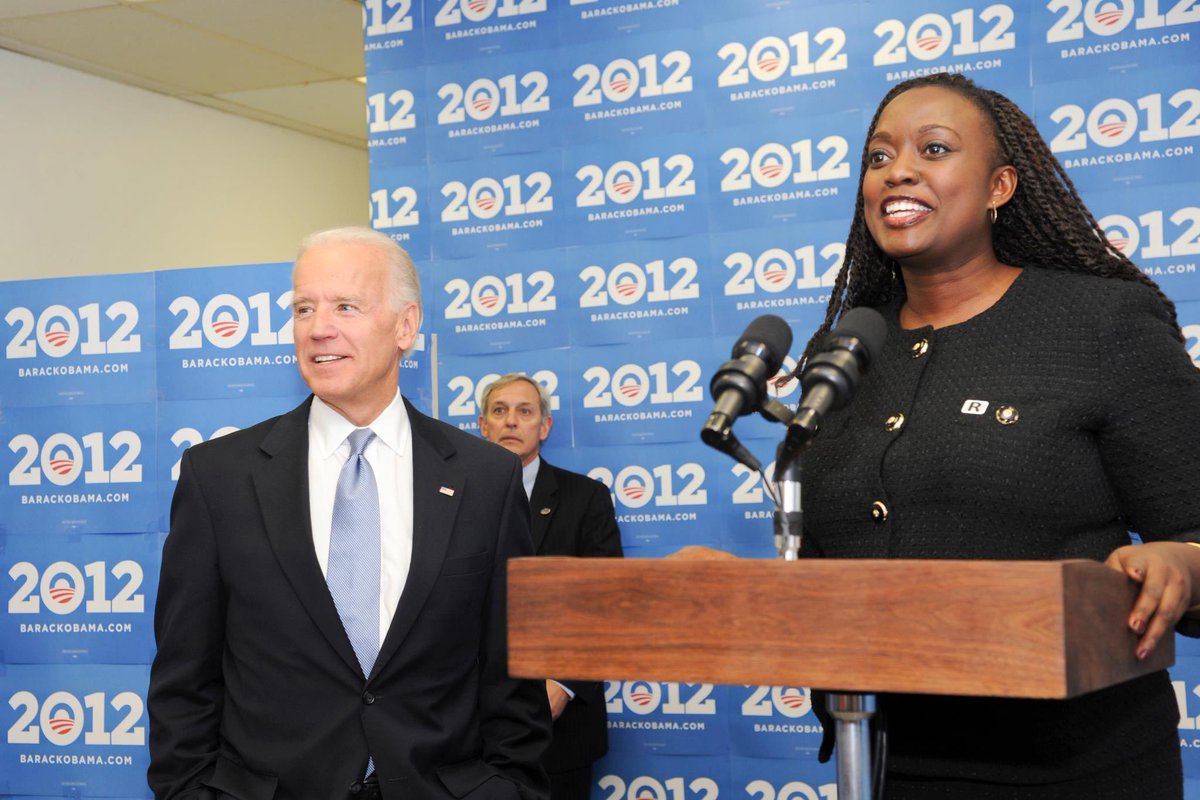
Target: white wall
x,y
98,177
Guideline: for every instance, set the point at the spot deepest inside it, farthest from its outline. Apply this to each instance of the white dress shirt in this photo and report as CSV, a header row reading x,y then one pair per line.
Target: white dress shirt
x,y
529,475
390,457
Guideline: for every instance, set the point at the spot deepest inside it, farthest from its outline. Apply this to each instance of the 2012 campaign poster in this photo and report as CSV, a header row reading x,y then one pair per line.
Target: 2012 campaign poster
x,y
665,496
393,34
74,730
774,173
638,291
499,104
463,380
84,340
781,779
767,65
989,43
1074,40
664,718
464,29
398,113
1124,132
1158,228
493,205
79,469
226,332
635,85
79,599
630,394
583,22
184,423
787,271
506,301
774,722
401,206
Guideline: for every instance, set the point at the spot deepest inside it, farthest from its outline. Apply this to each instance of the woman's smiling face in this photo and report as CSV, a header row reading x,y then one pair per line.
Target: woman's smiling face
x,y
930,179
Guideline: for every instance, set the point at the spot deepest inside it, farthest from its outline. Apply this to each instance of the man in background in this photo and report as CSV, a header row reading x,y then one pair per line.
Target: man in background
x,y
572,515
331,612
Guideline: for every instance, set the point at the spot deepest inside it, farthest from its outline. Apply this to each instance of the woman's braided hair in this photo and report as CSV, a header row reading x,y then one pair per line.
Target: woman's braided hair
x,y
1044,226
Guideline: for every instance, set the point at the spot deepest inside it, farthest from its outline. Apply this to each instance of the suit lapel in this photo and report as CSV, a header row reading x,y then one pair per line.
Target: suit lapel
x,y
543,502
281,482
438,488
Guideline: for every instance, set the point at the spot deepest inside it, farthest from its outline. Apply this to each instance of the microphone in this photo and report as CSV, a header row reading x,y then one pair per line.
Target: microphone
x,y
740,385
827,381
830,377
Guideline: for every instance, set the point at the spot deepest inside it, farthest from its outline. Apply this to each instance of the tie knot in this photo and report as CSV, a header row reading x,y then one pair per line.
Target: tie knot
x,y
359,439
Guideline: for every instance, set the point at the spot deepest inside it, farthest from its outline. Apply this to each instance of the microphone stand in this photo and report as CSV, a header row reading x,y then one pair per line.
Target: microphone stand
x,y
788,519
828,380
852,711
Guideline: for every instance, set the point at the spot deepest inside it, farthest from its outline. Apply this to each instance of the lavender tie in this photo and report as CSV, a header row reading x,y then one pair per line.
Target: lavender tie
x,y
353,568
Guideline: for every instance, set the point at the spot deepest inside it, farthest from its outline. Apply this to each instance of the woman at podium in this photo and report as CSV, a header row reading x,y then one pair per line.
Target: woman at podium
x,y
1033,400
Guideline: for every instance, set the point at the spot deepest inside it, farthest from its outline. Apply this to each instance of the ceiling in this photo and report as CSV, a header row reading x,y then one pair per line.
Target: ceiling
x,y
292,63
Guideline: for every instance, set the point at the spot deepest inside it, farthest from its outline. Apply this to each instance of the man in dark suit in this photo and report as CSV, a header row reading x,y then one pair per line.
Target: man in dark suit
x,y
286,668
572,515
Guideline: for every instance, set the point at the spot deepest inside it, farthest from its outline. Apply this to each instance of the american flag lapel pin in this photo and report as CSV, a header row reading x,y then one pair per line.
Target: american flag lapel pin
x,y
446,490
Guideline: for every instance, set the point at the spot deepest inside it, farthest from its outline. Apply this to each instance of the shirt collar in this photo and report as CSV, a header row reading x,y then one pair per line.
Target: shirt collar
x,y
327,429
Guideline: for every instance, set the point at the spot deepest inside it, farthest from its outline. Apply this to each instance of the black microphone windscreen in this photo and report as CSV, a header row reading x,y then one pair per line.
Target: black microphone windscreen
x,y
770,330
865,324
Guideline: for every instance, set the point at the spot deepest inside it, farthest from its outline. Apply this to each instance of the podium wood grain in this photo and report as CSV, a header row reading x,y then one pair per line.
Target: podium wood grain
x,y
1049,629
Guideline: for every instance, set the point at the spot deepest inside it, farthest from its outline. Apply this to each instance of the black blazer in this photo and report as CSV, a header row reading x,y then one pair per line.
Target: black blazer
x,y
255,692
572,515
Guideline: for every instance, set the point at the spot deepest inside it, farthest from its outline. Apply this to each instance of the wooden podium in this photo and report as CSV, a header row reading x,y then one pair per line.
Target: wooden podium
x,y
1042,629
1050,629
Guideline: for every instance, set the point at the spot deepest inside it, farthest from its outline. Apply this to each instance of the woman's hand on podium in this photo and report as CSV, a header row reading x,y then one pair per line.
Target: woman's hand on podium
x,y
1169,574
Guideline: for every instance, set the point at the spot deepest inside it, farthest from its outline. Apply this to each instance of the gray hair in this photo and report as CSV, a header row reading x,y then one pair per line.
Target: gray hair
x,y
406,287
513,377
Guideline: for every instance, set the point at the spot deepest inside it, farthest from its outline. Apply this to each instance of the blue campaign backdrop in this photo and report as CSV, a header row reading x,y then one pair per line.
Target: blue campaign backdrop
x,y
768,66
495,105
506,301
79,342
662,493
498,204
638,291
89,603
630,393
395,101
79,469
1114,134
75,730
636,84
601,194
631,775
773,172
462,380
648,187
226,332
401,207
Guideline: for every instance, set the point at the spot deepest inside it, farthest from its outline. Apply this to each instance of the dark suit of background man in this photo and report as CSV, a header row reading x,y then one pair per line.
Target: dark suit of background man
x,y
256,691
572,515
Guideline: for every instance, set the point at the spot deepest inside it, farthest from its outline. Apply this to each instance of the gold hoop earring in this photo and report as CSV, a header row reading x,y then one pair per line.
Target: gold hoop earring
x,y
993,214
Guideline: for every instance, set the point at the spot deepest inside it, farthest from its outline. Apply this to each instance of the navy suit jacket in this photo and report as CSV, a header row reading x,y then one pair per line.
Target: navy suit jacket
x,y
255,692
572,515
